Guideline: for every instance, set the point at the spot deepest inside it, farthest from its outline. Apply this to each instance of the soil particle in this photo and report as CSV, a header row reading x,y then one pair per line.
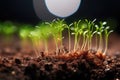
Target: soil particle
x,y
17,61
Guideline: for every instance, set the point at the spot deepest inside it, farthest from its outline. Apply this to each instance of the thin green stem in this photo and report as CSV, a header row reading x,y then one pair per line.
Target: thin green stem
x,y
69,40
56,44
78,45
90,43
100,43
86,42
61,39
76,41
106,44
83,43
46,46
96,37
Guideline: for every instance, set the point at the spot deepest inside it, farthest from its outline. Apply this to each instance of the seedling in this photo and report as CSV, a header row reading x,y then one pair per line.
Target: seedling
x,y
8,28
90,33
83,32
76,29
69,35
24,32
107,33
41,34
57,27
44,33
35,37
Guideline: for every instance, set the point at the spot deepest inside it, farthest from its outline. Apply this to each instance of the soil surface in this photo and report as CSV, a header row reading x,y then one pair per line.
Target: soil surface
x,y
84,66
18,63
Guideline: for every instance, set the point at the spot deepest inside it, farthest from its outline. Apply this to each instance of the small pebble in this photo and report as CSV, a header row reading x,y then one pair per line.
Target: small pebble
x,y
13,73
107,69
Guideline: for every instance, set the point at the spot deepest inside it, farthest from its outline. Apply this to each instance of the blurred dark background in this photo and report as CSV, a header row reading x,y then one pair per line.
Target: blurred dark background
x,y
23,11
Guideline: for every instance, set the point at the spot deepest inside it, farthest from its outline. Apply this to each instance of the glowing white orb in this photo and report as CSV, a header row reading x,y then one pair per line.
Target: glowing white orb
x,y
62,8
50,9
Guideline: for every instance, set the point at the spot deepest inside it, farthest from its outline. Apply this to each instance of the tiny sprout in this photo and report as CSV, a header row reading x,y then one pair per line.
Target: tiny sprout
x,y
84,40
41,34
35,37
100,31
90,25
25,31
57,26
8,28
69,35
107,33
75,29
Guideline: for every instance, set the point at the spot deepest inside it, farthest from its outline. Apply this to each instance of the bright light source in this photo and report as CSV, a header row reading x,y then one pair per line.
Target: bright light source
x,y
62,8
50,9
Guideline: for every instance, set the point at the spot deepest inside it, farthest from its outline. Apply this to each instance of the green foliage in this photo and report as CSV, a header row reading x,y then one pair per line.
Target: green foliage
x,y
8,28
76,30
41,34
83,31
25,30
69,35
57,26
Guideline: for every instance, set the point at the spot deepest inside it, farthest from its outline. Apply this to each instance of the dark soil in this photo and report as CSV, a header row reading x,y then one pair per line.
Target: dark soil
x,y
84,66
18,63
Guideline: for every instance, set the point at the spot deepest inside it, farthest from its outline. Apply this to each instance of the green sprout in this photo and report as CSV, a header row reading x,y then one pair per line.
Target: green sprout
x,y
100,33
100,30
75,29
96,36
44,34
84,40
107,33
57,27
69,35
41,34
24,32
8,28
90,32
35,37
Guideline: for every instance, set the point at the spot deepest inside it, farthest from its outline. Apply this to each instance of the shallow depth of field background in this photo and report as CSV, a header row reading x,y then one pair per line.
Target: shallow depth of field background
x,y
22,11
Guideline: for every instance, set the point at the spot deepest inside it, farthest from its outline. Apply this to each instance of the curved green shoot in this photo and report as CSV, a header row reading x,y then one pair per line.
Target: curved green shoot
x,y
69,36
57,27
84,40
75,29
91,32
100,31
96,36
107,33
35,37
44,32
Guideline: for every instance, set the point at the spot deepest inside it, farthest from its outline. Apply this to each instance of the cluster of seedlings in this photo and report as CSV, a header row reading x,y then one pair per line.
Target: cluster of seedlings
x,y
64,51
48,35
